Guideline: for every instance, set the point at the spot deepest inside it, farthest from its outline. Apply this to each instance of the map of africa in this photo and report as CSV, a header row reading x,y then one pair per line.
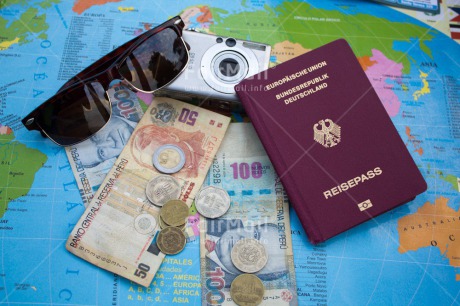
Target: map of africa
x,y
410,255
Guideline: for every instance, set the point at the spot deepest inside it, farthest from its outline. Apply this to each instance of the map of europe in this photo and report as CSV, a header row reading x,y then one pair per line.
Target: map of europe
x,y
410,255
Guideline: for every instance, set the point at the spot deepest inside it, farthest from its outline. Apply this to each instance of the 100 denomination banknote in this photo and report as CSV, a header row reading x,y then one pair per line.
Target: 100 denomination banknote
x,y
118,230
92,159
259,209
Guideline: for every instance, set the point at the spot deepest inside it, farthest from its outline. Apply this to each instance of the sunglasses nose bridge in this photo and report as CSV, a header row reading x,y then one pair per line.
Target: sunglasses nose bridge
x,y
114,74
110,75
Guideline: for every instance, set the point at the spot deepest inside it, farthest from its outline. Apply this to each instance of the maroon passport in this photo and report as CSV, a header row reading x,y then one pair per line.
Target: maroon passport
x,y
332,143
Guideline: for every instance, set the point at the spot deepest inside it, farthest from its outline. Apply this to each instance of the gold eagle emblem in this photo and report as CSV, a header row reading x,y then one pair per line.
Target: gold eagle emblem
x,y
327,133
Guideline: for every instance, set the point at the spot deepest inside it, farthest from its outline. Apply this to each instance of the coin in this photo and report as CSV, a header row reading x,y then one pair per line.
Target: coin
x,y
212,202
174,213
171,240
182,227
249,255
161,189
247,290
162,223
169,158
145,224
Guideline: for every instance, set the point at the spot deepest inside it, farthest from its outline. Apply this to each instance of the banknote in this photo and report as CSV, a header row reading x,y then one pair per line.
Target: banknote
x,y
117,232
259,209
92,159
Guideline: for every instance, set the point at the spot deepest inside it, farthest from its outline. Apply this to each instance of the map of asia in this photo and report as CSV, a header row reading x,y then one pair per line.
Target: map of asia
x,y
410,255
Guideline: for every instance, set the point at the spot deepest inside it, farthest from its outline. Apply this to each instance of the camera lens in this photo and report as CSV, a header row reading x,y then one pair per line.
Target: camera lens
x,y
222,66
219,40
229,67
230,42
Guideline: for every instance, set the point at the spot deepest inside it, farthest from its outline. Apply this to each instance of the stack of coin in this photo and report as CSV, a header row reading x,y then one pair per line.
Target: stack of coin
x,y
174,213
172,220
247,290
163,191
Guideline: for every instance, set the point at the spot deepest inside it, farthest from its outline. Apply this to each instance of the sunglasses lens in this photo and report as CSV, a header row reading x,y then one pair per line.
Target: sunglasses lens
x,y
76,114
155,62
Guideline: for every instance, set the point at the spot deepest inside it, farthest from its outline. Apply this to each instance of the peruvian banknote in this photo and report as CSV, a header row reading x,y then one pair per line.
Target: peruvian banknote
x,y
107,233
259,209
92,159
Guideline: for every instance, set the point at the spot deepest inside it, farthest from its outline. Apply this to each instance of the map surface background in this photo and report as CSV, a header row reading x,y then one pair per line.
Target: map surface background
x,y
413,68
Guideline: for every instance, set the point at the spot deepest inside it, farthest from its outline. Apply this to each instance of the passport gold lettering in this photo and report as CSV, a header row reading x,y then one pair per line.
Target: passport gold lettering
x,y
295,75
352,182
317,66
305,93
301,86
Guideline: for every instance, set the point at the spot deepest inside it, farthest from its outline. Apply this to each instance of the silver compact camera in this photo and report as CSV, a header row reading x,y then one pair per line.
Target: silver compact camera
x,y
216,65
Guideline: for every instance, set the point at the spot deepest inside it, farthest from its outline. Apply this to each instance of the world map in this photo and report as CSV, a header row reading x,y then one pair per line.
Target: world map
x,y
410,255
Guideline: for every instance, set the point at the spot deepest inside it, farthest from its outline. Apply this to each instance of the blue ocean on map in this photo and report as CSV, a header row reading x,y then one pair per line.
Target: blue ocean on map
x,y
363,266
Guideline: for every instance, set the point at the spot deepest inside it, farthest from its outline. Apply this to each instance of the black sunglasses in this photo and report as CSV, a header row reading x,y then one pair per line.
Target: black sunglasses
x,y
81,107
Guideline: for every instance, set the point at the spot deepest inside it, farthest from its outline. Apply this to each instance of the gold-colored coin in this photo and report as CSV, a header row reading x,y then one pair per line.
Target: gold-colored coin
x,y
171,240
162,223
182,227
247,290
174,212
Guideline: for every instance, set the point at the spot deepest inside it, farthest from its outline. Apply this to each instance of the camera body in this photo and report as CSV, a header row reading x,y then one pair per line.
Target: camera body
x,y
215,66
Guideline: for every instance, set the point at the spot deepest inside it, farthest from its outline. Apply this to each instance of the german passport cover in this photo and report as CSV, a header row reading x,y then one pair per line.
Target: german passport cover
x,y
334,147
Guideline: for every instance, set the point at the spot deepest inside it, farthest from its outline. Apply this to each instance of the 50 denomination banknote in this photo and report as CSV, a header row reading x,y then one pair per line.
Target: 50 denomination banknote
x,y
118,230
259,209
92,159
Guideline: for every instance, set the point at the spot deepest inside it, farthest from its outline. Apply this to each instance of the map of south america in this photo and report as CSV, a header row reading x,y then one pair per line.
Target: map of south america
x,y
18,166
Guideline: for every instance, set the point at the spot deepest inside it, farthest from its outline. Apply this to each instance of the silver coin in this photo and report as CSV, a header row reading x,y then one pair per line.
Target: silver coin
x,y
161,189
145,224
249,255
169,159
212,202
